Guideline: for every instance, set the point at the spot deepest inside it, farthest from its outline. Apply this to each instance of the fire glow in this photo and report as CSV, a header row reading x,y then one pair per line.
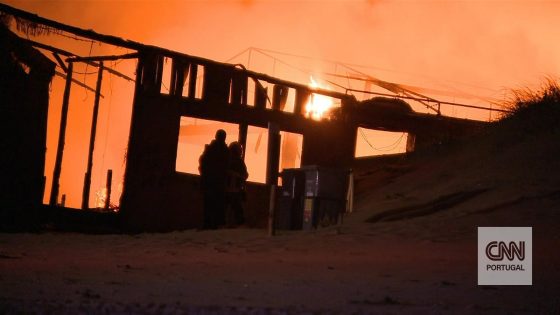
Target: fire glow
x,y
318,105
100,197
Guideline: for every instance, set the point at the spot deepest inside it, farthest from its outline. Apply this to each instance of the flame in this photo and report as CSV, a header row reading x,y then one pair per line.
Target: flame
x,y
100,197
318,105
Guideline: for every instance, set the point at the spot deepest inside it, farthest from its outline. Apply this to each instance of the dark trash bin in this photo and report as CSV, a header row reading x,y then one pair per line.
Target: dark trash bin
x,y
311,196
289,207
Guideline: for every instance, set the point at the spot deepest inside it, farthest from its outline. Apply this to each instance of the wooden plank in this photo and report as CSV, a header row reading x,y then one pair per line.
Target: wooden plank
x,y
108,186
272,211
60,62
279,97
243,130
239,85
177,77
173,79
248,115
192,80
261,95
69,54
302,97
87,178
61,138
273,154
103,58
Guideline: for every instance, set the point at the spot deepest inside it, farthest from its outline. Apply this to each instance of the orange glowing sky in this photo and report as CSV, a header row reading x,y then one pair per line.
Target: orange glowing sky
x,y
484,44
485,48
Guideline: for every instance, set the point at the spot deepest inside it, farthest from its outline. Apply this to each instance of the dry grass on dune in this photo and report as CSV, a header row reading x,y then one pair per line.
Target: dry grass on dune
x,y
513,161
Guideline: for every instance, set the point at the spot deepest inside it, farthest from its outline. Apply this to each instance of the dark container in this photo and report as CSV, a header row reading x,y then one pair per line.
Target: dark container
x,y
311,196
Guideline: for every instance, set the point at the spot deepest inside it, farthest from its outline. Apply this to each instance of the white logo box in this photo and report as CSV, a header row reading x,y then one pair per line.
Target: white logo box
x,y
505,256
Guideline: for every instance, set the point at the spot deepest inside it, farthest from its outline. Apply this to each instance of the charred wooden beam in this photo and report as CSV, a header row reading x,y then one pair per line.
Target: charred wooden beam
x,y
178,71
273,154
248,115
108,186
192,80
273,80
70,29
159,72
243,130
239,85
61,138
87,177
69,54
409,122
103,58
279,97
302,97
60,62
217,82
149,76
261,95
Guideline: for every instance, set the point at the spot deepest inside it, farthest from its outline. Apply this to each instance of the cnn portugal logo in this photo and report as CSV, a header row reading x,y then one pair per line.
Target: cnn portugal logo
x,y
497,250
505,255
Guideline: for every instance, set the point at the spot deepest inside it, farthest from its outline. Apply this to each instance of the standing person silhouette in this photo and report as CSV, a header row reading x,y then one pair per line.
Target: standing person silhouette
x,y
235,189
213,164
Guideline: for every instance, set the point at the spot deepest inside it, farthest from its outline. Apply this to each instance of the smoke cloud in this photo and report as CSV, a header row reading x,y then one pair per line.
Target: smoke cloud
x,y
485,44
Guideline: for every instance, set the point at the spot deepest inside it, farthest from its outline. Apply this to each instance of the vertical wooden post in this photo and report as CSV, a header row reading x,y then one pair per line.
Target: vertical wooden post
x,y
261,96
273,159
87,177
130,180
181,69
302,96
173,80
276,97
272,211
192,80
239,82
159,73
109,188
243,137
279,97
61,136
410,142
245,90
178,71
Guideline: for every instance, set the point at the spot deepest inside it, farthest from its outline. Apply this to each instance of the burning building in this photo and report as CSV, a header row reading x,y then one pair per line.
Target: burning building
x,y
157,197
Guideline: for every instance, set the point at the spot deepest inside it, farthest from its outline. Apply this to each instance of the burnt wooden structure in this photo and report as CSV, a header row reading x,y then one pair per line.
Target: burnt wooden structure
x,y
155,196
158,198
25,76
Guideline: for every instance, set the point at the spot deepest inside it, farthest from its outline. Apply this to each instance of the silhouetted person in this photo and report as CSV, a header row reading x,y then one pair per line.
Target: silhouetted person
x,y
236,178
213,165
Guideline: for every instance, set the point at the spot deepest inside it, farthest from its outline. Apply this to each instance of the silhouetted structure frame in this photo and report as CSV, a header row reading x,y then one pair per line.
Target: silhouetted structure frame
x,y
158,198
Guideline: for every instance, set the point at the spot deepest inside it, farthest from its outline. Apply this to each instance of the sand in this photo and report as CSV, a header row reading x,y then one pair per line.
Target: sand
x,y
411,266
